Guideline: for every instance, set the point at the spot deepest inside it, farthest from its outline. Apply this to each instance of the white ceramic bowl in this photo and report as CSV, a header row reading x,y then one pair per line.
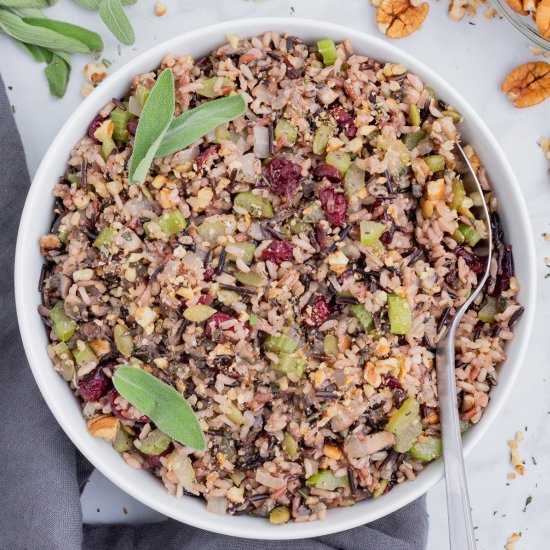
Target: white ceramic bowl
x,y
36,220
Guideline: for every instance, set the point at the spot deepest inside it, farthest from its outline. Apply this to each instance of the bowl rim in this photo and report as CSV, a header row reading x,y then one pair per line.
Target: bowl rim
x,y
76,430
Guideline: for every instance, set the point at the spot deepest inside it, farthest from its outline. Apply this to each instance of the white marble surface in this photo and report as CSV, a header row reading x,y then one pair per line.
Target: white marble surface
x,y
473,58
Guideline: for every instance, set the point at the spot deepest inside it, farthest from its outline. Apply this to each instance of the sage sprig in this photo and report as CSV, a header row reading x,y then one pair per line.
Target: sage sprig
x,y
27,3
162,404
159,134
155,119
197,122
113,16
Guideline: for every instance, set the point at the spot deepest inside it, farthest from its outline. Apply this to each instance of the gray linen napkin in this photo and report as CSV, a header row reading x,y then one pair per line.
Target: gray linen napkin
x,y
42,474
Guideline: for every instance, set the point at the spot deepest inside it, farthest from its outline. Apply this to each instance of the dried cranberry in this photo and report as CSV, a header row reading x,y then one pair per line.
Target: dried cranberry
x,y
205,156
334,204
316,313
132,126
117,411
392,383
208,274
387,236
282,175
320,236
214,323
324,170
344,119
154,460
94,385
475,263
278,252
206,299
94,125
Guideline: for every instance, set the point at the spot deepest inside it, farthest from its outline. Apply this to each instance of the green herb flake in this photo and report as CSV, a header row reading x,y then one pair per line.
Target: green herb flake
x,y
527,502
252,319
155,119
162,404
106,63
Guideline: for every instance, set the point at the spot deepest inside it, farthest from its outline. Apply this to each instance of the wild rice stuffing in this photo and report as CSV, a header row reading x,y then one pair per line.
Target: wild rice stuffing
x,y
326,237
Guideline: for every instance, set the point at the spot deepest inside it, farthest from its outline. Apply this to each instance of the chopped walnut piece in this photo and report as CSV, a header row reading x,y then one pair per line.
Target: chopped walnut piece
x,y
160,9
517,6
529,84
542,18
511,542
400,18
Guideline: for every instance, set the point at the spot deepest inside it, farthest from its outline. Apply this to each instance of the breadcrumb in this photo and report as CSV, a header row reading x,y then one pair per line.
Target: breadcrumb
x,y
160,9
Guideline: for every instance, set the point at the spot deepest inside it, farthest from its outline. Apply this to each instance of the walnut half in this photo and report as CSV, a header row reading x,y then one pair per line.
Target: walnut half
x,y
528,85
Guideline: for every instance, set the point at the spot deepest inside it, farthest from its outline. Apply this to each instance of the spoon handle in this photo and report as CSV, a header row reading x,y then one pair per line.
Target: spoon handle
x,y
461,532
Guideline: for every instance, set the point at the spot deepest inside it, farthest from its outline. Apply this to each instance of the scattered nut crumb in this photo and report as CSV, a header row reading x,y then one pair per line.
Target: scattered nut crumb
x,y
511,543
544,144
160,9
95,72
515,457
86,89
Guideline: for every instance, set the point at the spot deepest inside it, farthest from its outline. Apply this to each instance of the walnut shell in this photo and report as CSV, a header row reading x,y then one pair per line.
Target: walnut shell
x,y
528,85
400,18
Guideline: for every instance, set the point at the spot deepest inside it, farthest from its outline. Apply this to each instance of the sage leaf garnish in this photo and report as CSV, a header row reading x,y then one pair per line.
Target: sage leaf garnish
x,y
15,27
162,404
39,54
113,16
91,39
92,5
27,3
157,114
197,122
57,73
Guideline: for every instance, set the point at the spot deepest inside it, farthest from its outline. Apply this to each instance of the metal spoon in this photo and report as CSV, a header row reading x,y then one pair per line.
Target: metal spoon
x,y
461,532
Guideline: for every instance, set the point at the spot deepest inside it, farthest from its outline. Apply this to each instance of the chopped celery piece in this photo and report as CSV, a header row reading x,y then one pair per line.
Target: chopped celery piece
x,y
477,198
320,141
435,163
237,478
412,140
63,326
209,84
84,356
325,479
354,182
290,447
198,313
414,115
104,238
169,223
487,313
123,441
256,206
299,227
340,160
379,491
406,425
252,278
210,231
400,314
363,316
427,450
458,236
235,415
285,129
141,95
154,443
330,345
279,515
247,247
371,231
62,350
63,234
120,120
280,344
290,364
457,117
470,234
227,297
317,64
459,194
107,148
327,48
123,340
67,369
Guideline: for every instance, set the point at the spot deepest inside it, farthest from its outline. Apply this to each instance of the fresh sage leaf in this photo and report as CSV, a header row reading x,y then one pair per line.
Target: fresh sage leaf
x,y
157,114
29,12
39,54
197,122
57,73
27,3
116,20
162,404
91,39
92,5
128,2
15,27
